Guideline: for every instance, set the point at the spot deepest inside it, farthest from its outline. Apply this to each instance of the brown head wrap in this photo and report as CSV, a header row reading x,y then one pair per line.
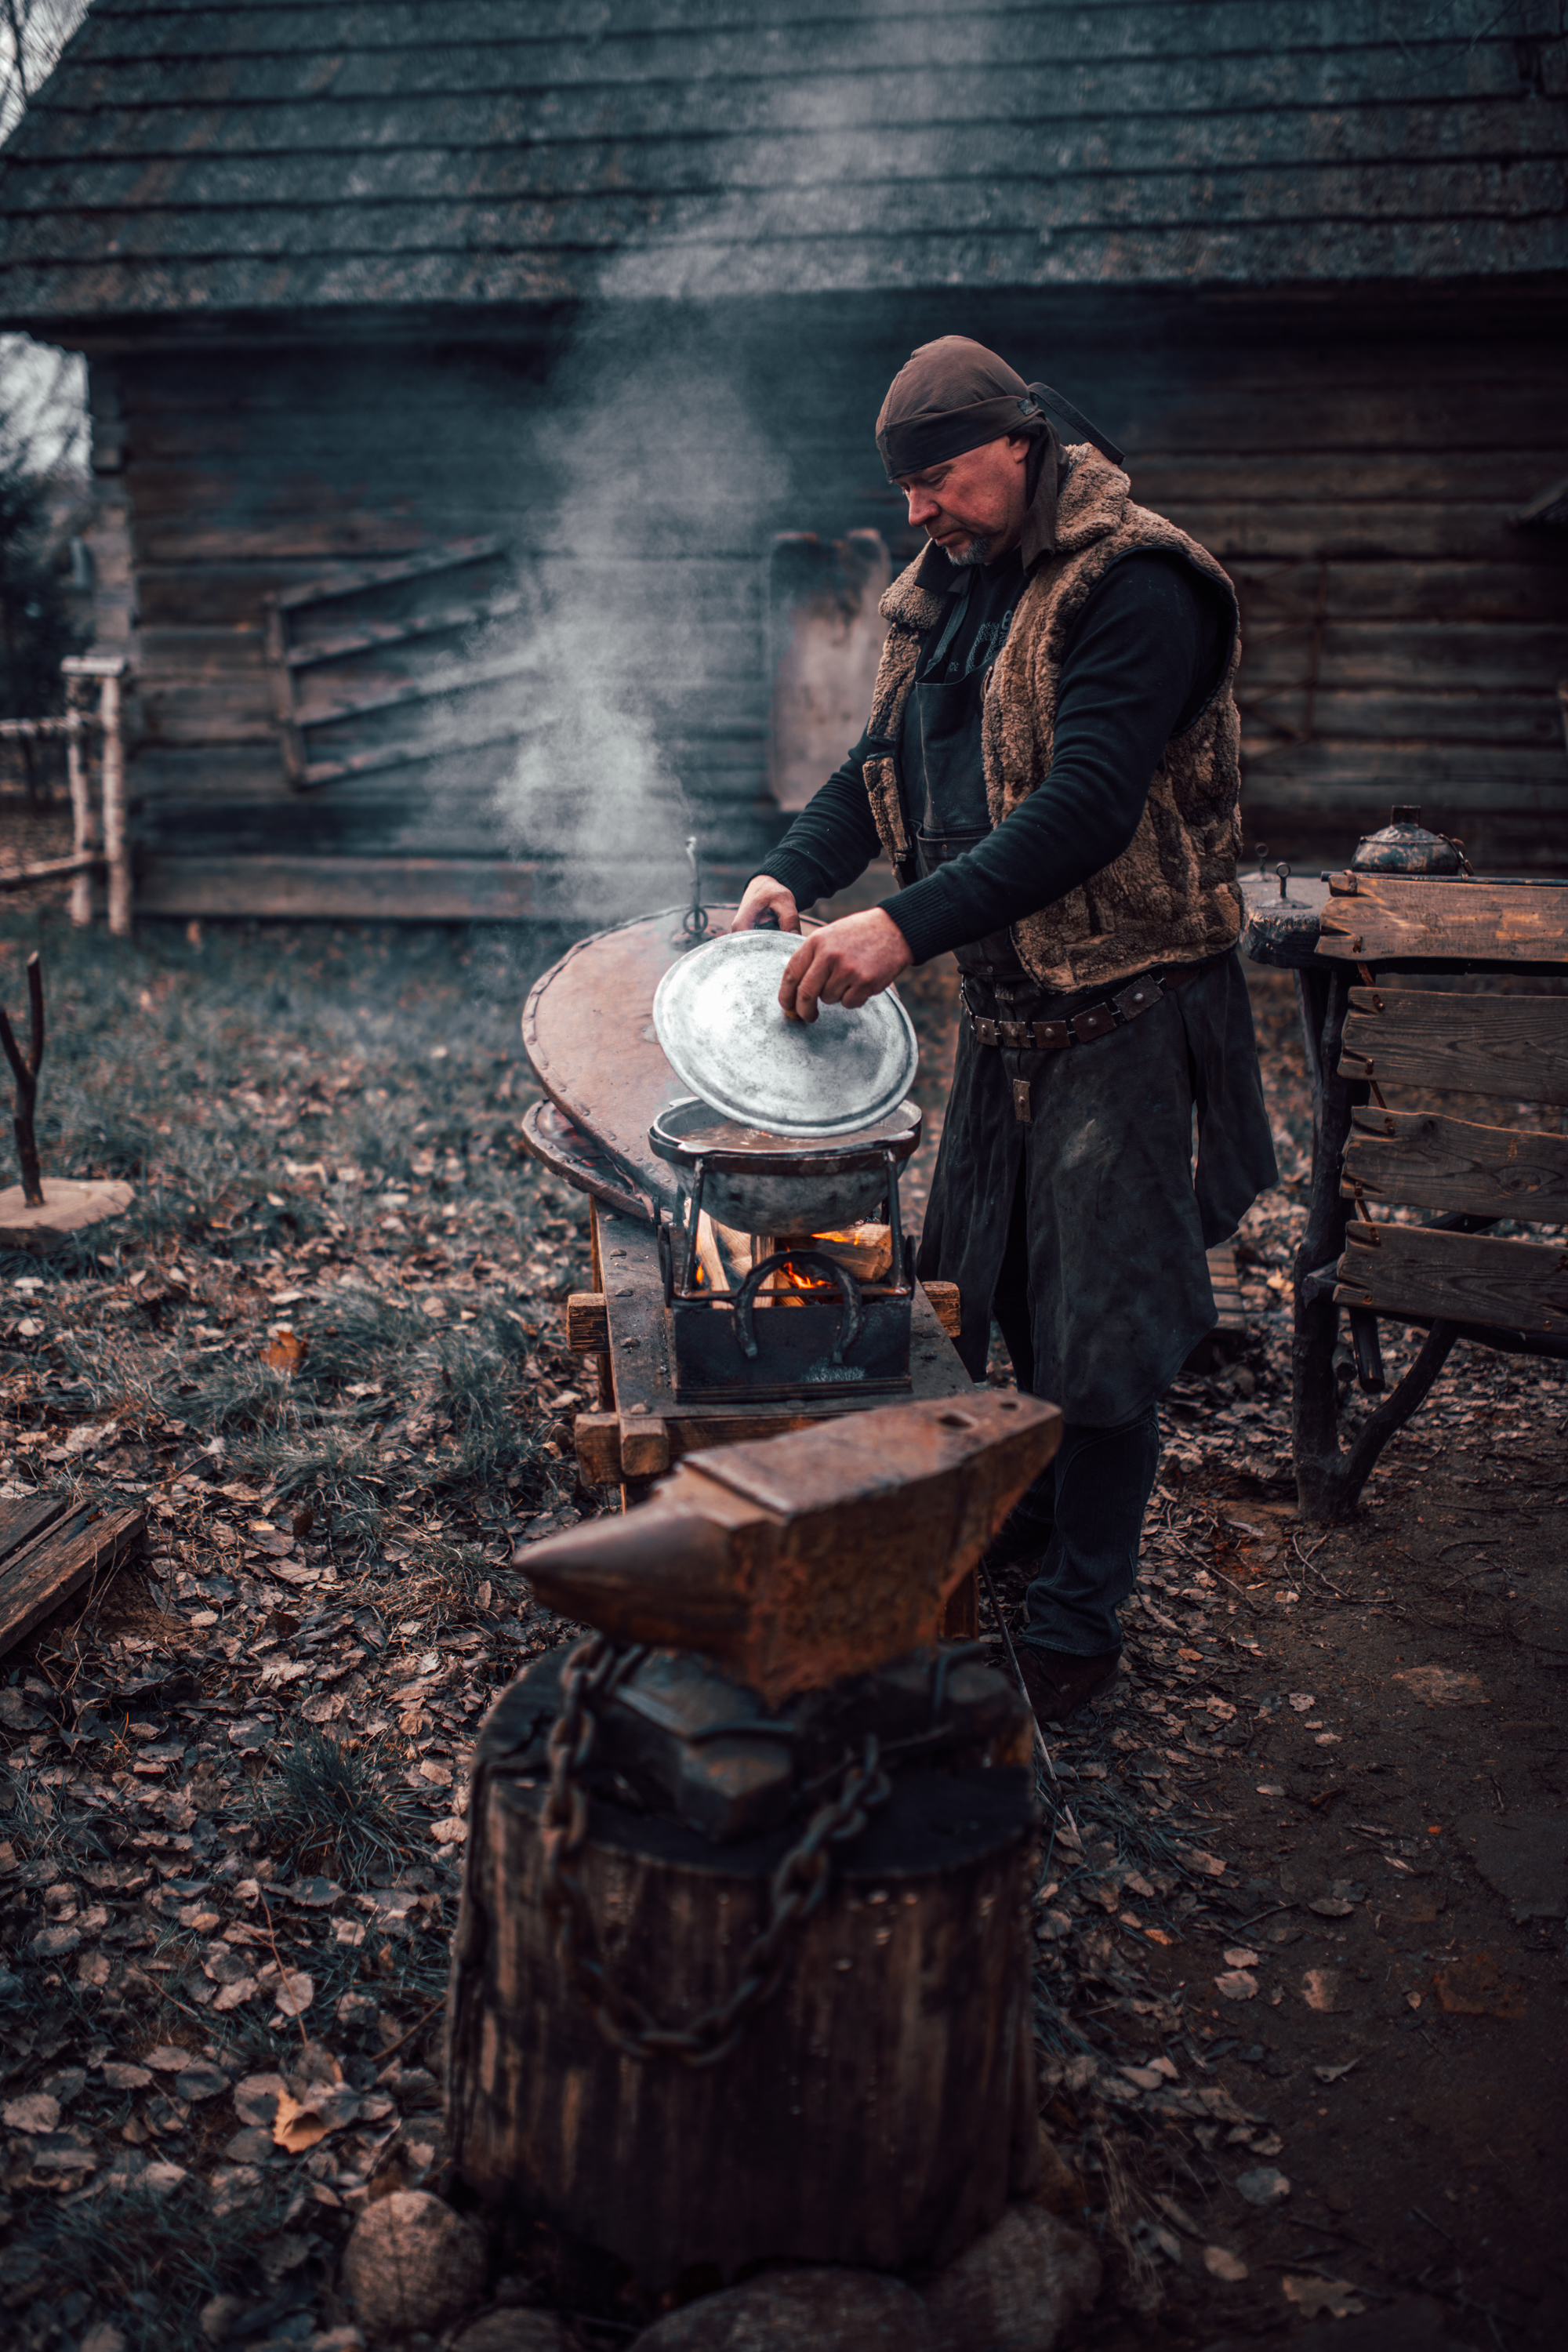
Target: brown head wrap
x,y
953,395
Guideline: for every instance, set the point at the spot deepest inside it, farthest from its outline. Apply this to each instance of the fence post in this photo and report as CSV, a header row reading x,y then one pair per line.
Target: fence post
x,y
109,669
83,829
114,849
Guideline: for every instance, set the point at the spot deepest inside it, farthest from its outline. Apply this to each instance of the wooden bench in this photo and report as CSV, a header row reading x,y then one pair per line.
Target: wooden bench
x,y
1377,1028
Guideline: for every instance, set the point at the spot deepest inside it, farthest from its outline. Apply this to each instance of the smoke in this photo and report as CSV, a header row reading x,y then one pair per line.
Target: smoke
x,y
645,691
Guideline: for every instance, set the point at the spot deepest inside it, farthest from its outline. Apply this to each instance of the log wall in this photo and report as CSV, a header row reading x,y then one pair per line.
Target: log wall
x,y
1407,632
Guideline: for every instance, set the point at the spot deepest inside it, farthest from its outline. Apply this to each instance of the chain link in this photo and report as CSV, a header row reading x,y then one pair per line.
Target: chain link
x,y
795,1892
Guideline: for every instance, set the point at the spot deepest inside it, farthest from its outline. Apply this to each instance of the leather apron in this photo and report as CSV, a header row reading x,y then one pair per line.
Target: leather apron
x,y
941,766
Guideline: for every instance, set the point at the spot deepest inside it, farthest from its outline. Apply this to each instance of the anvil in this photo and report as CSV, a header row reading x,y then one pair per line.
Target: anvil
x,y
798,1560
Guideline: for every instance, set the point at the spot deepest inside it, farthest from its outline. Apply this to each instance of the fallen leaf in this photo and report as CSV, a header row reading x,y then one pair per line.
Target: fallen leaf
x,y
235,1995
293,1992
1331,1906
1263,2185
1334,2074
1209,1865
1236,1984
450,1832
1302,1701
1221,2265
1320,1987
1439,1686
256,2098
1474,1986
1239,1957
169,2059
37,2112
296,2125
285,1352
1313,2296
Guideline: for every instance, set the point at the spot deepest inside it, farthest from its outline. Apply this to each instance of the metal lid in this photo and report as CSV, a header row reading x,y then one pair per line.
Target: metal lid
x,y
717,1015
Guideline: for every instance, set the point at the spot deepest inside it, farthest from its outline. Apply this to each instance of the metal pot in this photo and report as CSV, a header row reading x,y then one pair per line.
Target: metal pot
x,y
763,1183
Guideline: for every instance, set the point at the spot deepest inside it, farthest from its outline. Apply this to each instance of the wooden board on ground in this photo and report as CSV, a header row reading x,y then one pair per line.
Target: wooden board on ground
x,y
1424,1161
1516,1046
45,1567
649,1429
1411,1271
1396,917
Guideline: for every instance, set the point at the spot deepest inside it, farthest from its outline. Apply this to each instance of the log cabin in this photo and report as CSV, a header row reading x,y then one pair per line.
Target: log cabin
x,y
482,401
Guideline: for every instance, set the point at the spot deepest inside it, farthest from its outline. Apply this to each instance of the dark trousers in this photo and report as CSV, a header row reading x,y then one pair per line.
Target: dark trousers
x,y
1087,1509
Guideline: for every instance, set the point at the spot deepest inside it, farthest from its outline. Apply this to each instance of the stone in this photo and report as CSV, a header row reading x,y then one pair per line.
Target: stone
x,y
799,2311
1015,2289
411,2263
515,2330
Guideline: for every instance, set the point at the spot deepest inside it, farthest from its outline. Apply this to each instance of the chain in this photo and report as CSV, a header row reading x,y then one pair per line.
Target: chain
x,y
795,1892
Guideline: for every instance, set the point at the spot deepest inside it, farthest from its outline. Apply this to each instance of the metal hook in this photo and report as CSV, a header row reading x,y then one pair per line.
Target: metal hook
x,y
694,922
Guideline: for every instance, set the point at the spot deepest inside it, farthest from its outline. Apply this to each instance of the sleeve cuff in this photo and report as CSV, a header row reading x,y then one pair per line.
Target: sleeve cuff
x,y
929,918
798,874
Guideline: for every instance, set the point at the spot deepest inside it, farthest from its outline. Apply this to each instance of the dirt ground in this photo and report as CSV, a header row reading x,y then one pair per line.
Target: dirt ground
x,y
1300,1984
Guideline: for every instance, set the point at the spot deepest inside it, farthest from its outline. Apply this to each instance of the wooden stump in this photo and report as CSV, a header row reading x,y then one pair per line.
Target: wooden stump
x,y
68,1207
877,2111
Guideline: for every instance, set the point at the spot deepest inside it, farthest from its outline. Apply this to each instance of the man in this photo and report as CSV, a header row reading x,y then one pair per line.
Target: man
x,y
1051,767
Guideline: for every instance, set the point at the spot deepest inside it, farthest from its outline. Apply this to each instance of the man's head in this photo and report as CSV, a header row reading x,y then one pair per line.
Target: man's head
x,y
972,505
956,433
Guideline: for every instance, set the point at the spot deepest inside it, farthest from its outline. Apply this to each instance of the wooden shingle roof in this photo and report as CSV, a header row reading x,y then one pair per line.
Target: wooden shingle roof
x,y
192,158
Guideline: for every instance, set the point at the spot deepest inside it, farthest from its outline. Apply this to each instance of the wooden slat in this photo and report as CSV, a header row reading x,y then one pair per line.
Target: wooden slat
x,y
1393,917
1407,1270
1511,1045
36,1580
20,1521
1423,1161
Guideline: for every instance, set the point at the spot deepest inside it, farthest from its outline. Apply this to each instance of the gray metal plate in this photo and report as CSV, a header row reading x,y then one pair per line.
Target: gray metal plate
x,y
717,1015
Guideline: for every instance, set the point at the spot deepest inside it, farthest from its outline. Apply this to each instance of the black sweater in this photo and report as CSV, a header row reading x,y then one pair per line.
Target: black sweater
x,y
1142,658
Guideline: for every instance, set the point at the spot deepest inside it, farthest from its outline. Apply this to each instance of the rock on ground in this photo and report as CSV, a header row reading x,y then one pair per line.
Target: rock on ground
x,y
799,2311
411,2263
515,2331
1015,2288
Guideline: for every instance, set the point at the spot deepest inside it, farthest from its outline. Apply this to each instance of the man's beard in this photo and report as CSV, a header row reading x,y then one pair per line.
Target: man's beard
x,y
977,550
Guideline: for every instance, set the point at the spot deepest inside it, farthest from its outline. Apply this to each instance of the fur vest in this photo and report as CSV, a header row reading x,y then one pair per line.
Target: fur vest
x,y
1172,896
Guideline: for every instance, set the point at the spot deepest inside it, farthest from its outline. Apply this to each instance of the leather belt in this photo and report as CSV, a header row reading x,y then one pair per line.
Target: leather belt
x,y
1095,1020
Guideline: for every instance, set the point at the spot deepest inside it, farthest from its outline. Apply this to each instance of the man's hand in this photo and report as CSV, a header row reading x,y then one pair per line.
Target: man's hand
x,y
847,962
762,892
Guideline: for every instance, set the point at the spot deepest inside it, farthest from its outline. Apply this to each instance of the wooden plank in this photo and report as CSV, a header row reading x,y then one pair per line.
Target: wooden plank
x,y
367,635
454,557
382,693
1394,917
1423,1161
1516,1046
86,1543
22,1519
1411,1271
